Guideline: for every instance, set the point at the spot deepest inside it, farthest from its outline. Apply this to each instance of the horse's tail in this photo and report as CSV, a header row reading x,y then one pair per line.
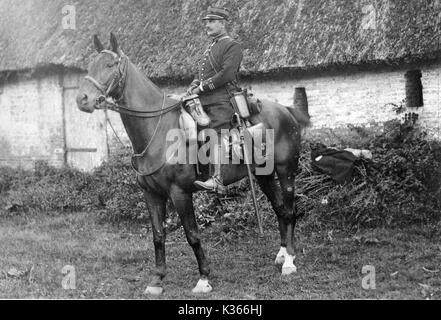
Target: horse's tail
x,y
302,116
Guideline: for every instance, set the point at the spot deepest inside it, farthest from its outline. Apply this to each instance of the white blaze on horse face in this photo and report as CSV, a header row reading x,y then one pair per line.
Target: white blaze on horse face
x,y
280,258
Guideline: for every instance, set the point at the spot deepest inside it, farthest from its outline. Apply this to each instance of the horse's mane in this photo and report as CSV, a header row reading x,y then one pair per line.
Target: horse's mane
x,y
148,85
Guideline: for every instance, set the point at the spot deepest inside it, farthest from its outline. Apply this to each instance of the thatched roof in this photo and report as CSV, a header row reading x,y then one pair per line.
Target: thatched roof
x,y
163,37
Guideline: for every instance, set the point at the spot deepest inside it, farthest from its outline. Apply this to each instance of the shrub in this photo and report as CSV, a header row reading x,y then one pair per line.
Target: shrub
x,y
401,185
116,191
46,189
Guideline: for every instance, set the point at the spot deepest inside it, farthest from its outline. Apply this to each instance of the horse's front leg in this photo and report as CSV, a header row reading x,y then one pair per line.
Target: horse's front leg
x,y
184,206
156,207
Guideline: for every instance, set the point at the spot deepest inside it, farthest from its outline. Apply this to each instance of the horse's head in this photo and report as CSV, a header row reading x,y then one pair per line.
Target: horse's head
x,y
104,76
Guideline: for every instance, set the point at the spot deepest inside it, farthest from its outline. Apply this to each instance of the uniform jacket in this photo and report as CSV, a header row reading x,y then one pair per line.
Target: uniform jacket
x,y
218,68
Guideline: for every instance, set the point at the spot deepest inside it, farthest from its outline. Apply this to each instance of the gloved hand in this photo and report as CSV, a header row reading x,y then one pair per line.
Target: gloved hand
x,y
194,86
196,90
190,90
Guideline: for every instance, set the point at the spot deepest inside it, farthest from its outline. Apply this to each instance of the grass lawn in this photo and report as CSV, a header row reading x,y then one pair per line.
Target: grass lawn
x,y
114,261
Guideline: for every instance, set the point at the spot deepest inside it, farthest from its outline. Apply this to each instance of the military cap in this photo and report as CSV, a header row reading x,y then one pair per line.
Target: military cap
x,y
216,13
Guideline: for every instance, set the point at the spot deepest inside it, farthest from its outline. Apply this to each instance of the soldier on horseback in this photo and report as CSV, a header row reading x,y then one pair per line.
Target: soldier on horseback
x,y
147,125
217,82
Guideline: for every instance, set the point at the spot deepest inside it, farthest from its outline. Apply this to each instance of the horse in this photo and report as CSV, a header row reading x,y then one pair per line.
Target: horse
x,y
146,113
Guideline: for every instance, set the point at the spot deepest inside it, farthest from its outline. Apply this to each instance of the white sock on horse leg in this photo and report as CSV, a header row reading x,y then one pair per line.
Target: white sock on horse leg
x,y
203,286
280,258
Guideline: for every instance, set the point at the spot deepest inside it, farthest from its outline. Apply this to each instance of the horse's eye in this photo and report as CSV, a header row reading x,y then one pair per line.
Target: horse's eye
x,y
110,64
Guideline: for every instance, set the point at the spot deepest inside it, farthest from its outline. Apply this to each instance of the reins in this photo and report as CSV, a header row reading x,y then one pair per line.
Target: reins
x,y
138,155
141,114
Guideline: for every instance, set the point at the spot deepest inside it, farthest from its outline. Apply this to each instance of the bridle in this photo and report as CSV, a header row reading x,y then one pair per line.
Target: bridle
x,y
118,81
121,74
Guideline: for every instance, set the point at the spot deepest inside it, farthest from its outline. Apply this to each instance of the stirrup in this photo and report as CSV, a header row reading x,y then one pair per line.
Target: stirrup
x,y
217,186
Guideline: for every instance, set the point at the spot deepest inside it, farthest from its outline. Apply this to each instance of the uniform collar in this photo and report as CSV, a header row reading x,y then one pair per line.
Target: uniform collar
x,y
219,37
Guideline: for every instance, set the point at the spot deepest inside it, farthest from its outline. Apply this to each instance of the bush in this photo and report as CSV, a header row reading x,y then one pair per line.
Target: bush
x,y
116,191
46,189
401,185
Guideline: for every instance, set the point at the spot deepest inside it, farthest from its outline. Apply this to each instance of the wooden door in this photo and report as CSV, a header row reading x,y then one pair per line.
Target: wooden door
x,y
86,138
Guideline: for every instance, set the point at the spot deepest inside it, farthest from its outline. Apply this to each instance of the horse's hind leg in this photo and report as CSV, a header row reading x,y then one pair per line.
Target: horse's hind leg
x,y
273,192
184,206
282,201
286,175
156,207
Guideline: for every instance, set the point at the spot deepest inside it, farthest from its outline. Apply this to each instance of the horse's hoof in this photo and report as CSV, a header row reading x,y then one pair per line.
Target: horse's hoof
x,y
202,287
289,266
289,270
155,291
279,260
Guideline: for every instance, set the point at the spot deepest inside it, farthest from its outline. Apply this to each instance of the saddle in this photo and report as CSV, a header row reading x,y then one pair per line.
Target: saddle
x,y
243,102
193,120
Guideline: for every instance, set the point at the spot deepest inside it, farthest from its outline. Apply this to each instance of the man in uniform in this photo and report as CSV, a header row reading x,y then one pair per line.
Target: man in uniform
x,y
217,81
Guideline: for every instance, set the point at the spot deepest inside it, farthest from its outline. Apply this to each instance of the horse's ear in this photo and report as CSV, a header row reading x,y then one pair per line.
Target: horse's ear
x,y
114,43
98,45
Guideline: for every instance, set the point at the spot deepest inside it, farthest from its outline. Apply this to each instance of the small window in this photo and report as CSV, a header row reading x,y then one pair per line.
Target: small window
x,y
414,89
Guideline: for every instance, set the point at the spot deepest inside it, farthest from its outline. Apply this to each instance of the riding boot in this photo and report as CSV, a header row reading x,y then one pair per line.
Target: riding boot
x,y
215,183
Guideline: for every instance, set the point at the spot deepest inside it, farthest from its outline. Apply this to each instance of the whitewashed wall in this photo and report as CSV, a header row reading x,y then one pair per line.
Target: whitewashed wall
x,y
32,128
39,120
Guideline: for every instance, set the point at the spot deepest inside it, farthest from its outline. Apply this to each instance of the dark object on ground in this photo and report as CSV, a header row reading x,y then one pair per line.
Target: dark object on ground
x,y
338,164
